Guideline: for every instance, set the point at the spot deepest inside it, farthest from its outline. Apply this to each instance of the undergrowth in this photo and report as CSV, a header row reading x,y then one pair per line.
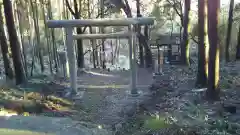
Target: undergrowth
x,y
22,102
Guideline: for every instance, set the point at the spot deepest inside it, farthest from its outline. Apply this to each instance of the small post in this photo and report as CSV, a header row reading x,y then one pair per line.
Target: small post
x,y
63,61
116,50
71,59
130,50
132,59
158,58
134,67
169,53
161,60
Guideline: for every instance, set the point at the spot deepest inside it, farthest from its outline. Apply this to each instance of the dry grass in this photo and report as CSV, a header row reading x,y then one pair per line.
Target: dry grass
x,y
20,132
14,100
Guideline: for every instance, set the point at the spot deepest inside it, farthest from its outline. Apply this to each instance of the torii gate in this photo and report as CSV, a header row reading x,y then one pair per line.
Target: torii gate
x,y
131,35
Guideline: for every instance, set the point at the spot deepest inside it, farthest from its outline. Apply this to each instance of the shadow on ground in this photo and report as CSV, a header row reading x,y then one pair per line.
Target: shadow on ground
x,y
104,104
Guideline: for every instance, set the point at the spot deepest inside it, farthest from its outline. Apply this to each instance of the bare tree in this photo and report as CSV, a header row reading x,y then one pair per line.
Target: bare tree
x,y
76,13
238,45
139,30
229,30
15,45
102,31
213,68
123,4
35,13
93,41
46,34
238,37
4,48
185,41
177,5
19,7
53,38
202,45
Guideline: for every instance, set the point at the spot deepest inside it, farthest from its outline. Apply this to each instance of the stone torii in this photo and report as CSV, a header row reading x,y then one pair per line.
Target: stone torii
x,y
130,34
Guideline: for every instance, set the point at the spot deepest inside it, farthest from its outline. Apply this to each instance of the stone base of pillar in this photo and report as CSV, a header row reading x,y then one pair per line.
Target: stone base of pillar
x,y
134,94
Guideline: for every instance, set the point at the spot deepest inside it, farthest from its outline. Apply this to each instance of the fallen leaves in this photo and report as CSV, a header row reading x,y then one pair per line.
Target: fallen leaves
x,y
188,106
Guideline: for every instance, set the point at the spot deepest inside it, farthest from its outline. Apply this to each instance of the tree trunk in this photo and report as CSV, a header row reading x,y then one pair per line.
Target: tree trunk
x,y
141,57
15,46
213,69
185,41
202,45
229,30
148,53
141,53
94,48
4,48
112,50
46,35
102,31
77,15
54,47
180,35
80,56
30,38
36,26
116,51
92,41
238,46
20,23
127,10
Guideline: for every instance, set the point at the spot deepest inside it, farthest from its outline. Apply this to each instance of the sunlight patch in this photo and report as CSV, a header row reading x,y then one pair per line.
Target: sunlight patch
x,y
103,86
99,74
5,113
5,131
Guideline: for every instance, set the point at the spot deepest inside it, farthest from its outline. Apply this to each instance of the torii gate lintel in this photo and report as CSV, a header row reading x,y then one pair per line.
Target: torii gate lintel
x,y
131,35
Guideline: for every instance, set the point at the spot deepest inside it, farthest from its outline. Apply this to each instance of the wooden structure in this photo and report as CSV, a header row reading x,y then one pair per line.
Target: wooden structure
x,y
171,47
63,62
129,22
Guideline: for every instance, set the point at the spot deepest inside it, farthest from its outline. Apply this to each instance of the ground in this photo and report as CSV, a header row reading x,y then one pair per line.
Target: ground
x,y
171,106
178,108
104,98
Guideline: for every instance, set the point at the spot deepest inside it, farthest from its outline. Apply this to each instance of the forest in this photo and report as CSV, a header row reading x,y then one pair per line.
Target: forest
x,y
196,96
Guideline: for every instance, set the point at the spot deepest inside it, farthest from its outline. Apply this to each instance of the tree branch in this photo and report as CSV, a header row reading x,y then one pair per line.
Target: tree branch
x,y
174,7
194,40
176,10
127,9
92,49
69,7
76,8
181,7
98,15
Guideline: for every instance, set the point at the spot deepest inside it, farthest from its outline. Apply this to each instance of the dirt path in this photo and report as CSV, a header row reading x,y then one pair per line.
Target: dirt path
x,y
105,99
40,125
105,95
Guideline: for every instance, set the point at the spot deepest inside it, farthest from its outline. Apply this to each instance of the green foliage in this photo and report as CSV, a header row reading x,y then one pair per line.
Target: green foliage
x,y
225,84
166,16
5,131
222,31
156,123
58,100
33,101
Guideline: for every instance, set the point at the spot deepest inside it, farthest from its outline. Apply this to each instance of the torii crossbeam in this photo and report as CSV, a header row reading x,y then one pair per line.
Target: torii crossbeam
x,y
70,24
